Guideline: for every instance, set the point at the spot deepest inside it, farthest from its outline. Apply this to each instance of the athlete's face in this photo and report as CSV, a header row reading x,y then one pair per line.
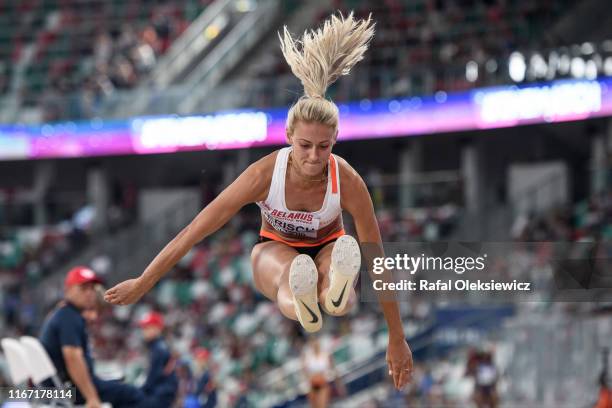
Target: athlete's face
x,y
312,144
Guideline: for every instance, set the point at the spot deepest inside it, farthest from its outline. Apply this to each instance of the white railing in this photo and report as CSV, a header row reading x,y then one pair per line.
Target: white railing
x,y
190,44
162,94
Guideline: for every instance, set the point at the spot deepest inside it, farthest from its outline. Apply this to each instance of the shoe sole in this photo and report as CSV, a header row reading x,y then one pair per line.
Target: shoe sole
x,y
303,278
344,267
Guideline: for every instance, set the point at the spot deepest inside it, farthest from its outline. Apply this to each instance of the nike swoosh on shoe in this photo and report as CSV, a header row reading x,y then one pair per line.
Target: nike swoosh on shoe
x,y
337,302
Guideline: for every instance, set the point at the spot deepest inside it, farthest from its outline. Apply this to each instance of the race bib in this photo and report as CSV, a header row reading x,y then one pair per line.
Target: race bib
x,y
295,223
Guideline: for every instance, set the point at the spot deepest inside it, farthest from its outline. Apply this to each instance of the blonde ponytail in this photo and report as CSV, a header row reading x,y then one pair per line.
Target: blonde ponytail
x,y
319,59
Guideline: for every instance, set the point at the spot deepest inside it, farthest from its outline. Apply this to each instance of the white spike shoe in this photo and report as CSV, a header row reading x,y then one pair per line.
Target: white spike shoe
x,y
303,278
343,270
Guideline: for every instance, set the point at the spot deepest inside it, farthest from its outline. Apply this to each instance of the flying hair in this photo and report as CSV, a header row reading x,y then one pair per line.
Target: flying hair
x,y
319,58
326,53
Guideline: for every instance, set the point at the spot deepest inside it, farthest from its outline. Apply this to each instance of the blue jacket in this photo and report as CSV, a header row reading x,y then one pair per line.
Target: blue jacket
x,y
158,383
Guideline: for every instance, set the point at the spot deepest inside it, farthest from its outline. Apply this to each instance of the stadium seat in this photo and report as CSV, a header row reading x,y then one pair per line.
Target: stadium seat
x,y
27,359
41,366
16,358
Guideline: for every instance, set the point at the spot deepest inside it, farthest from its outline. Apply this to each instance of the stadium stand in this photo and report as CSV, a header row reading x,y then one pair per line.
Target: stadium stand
x,y
79,54
51,49
69,57
421,47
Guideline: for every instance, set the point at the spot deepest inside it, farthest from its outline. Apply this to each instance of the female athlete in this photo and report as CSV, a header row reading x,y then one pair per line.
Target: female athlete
x,y
303,257
318,366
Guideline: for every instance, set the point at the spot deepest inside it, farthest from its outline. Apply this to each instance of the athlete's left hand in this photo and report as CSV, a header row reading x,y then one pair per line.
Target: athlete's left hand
x,y
399,359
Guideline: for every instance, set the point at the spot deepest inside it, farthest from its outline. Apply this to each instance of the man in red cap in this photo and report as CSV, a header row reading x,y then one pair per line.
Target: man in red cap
x,y
64,336
161,382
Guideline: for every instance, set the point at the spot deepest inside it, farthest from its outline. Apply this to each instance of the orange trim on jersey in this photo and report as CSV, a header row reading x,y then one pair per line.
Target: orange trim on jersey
x,y
273,236
332,164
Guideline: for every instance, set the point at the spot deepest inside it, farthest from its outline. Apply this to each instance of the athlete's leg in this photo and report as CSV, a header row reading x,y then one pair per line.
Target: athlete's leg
x,y
271,262
323,262
289,279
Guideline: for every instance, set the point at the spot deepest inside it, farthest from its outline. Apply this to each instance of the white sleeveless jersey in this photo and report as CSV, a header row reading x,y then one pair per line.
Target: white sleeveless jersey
x,y
300,224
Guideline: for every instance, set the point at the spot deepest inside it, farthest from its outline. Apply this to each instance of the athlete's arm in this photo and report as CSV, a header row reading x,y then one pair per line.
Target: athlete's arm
x,y
249,187
355,199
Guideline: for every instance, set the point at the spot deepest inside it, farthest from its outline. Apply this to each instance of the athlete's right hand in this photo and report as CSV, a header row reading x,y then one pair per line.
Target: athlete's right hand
x,y
125,293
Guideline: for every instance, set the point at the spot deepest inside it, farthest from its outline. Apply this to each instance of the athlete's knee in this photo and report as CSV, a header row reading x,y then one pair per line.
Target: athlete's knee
x,y
255,255
285,305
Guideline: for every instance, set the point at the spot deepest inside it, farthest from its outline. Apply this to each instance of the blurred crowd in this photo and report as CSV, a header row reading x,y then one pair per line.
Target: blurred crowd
x,y
211,308
73,54
419,48
587,220
214,317
208,302
427,224
227,339
120,58
466,377
30,254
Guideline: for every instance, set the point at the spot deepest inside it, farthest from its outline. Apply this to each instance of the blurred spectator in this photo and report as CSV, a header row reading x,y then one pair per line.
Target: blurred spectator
x,y
481,367
64,336
186,397
102,49
144,56
319,369
205,393
161,385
